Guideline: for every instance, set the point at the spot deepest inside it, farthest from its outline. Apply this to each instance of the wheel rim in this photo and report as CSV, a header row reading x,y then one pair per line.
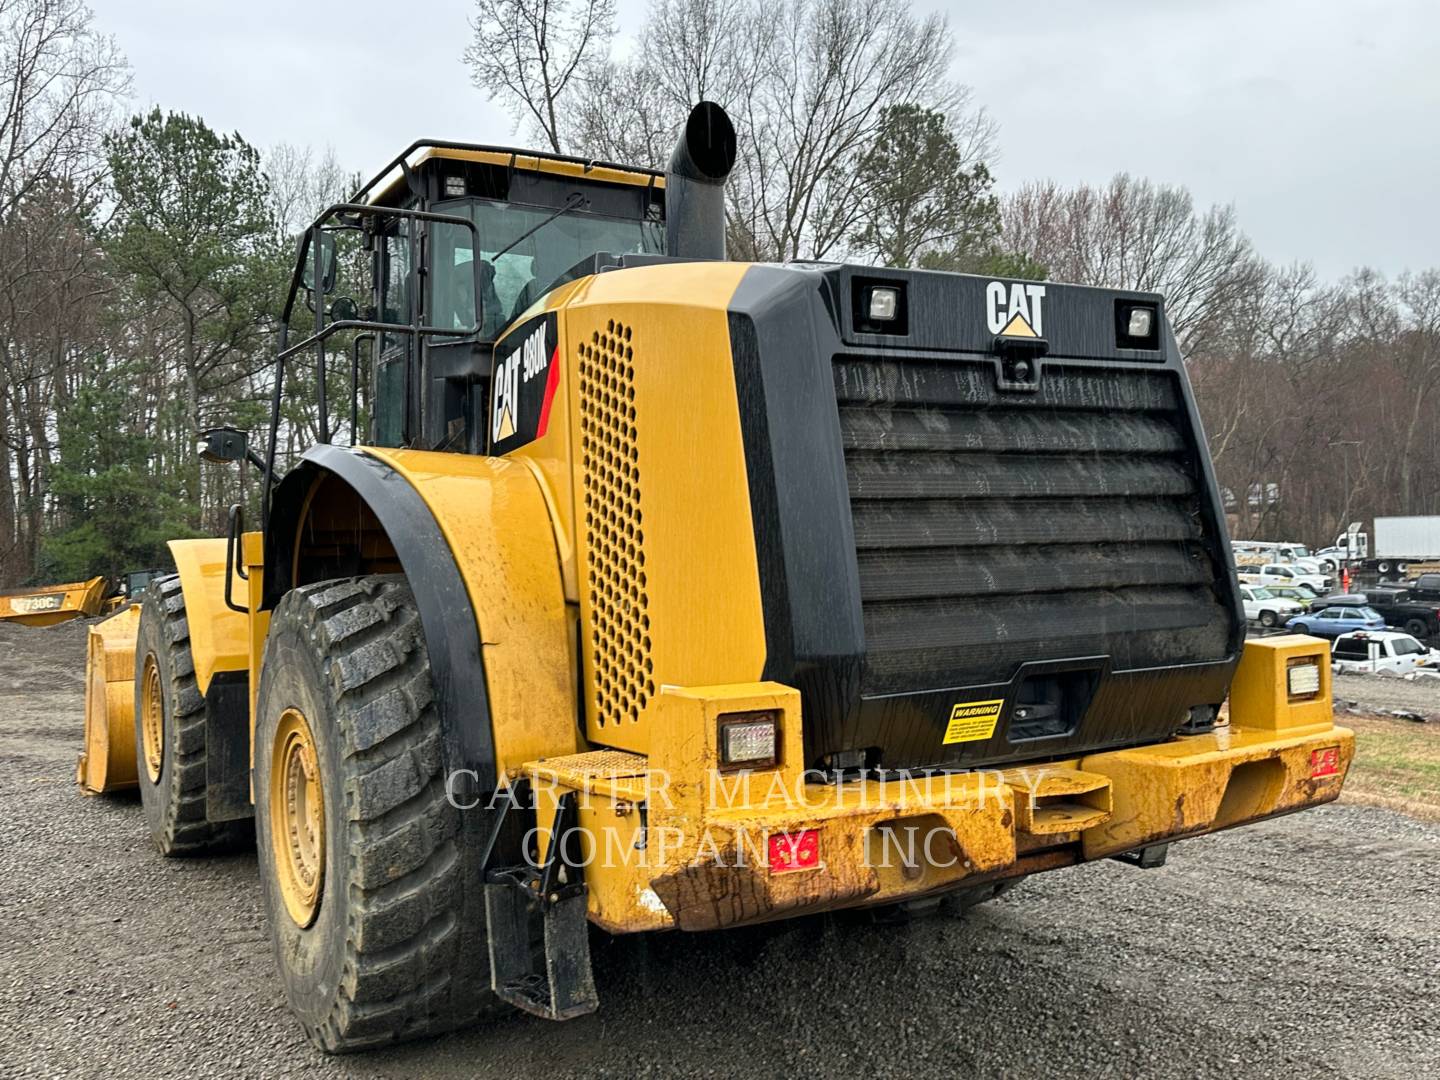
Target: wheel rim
x,y
297,817
152,719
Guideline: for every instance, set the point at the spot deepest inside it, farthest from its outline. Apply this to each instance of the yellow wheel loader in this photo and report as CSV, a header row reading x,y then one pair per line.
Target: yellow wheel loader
x,y
641,589
47,605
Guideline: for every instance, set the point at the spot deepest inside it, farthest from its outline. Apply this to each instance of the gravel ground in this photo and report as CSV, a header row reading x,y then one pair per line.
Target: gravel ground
x,y
1305,946
1373,693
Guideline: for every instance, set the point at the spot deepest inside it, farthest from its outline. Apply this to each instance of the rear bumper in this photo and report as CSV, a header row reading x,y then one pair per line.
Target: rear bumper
x,y
668,841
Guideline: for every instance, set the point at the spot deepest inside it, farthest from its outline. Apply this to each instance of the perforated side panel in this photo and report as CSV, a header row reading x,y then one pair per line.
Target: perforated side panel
x,y
614,540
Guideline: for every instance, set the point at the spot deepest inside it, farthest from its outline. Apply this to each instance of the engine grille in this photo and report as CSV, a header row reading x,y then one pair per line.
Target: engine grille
x,y
619,643
994,528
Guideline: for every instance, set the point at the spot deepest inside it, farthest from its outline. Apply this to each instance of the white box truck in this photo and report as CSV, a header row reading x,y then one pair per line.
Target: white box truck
x,y
1399,541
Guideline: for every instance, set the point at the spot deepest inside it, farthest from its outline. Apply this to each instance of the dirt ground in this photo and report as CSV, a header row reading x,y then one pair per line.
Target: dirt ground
x,y
1305,946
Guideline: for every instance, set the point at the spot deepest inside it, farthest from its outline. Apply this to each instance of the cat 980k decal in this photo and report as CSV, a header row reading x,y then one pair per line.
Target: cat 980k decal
x,y
527,375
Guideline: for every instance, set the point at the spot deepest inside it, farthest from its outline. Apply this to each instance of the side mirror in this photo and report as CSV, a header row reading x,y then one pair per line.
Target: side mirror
x,y
224,444
322,251
342,308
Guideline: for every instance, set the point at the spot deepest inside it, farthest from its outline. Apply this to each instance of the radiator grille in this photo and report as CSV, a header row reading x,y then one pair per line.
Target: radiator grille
x,y
994,528
614,541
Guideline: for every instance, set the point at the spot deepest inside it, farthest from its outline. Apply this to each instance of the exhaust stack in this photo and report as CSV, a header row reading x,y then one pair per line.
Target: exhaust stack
x,y
695,185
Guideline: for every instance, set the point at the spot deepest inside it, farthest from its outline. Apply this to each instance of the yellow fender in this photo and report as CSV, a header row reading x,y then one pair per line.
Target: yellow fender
x,y
219,637
107,763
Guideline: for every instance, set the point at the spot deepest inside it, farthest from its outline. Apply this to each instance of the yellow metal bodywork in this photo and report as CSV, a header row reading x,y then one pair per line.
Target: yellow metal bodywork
x,y
219,637
644,468
1260,692
522,160
1257,766
493,513
107,762
699,860
252,553
51,604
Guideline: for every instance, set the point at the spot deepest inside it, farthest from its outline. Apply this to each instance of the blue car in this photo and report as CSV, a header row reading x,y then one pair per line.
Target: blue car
x,y
1331,622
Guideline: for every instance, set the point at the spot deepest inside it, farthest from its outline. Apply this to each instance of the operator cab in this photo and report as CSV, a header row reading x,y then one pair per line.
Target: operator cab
x,y
537,221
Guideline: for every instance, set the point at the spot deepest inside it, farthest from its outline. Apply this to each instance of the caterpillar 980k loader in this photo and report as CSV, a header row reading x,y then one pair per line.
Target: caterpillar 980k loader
x,y
662,592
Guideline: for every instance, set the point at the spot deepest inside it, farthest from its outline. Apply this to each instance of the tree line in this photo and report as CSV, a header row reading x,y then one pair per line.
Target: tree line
x,y
143,258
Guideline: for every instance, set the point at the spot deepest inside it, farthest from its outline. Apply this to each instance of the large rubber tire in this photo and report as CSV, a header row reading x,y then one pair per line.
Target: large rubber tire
x,y
1418,629
396,946
1268,619
174,802
1300,628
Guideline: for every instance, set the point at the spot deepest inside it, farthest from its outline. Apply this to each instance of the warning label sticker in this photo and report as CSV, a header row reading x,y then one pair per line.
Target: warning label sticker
x,y
971,721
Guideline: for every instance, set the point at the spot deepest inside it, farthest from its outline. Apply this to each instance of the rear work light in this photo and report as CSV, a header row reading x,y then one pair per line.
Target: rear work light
x,y
749,740
1303,678
1137,325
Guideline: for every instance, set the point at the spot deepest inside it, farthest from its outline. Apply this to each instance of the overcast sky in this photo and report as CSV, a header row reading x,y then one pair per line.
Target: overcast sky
x,y
1318,119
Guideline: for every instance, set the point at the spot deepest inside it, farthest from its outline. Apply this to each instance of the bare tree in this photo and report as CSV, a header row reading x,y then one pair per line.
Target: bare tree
x,y
60,82
1136,234
1416,357
302,184
529,53
808,83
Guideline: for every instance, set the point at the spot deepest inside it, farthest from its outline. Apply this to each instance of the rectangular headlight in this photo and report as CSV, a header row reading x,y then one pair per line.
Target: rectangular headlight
x,y
749,740
1303,678
884,303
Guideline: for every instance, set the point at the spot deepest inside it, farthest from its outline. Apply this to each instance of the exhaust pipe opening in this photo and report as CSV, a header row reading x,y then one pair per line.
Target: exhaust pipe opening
x,y
695,184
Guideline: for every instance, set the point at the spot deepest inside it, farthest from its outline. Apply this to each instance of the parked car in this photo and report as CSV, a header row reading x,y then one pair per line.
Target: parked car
x,y
1281,574
1382,650
1426,587
1302,594
1335,620
1266,609
1417,618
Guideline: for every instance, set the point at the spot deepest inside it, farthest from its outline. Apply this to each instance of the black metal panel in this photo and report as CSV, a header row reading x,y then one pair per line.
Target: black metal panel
x,y
227,747
947,313
1063,537
782,342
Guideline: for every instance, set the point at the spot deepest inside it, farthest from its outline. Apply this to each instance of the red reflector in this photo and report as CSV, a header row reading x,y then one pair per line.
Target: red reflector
x,y
1325,761
794,851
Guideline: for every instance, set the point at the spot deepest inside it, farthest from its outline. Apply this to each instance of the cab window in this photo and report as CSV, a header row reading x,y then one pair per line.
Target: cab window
x,y
1353,649
522,256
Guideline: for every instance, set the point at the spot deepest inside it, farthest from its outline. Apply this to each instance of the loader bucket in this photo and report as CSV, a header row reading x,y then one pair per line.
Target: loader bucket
x,y
107,763
50,604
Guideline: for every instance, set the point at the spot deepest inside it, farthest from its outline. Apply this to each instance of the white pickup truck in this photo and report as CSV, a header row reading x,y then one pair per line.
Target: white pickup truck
x,y
1369,651
1267,609
1283,574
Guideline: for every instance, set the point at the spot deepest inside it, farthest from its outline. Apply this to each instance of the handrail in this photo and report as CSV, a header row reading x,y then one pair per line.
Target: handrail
x,y
233,538
357,212
355,380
